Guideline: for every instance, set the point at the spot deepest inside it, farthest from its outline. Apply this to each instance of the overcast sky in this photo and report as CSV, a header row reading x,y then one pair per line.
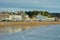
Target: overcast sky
x,y
45,5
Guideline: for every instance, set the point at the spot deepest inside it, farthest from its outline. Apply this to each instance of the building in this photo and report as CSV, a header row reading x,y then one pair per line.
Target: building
x,y
51,19
8,17
45,18
15,17
57,16
4,17
27,18
41,18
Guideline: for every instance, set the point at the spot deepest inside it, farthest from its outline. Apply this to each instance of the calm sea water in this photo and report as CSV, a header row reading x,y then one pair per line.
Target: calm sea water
x,y
50,32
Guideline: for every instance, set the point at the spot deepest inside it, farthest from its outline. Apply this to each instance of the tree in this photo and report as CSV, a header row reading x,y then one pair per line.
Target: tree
x,y
46,13
41,12
32,13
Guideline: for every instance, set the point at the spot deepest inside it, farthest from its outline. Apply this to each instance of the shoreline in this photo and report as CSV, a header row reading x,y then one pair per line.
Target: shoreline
x,y
27,23
10,27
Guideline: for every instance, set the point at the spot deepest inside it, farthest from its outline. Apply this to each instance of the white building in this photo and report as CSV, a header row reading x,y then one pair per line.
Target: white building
x,y
51,19
27,18
15,17
44,18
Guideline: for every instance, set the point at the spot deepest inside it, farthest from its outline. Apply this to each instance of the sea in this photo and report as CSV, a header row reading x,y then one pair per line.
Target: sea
x,y
48,32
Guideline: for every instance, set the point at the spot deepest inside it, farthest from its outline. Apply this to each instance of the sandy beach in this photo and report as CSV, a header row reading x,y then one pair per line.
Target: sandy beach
x,y
21,26
26,23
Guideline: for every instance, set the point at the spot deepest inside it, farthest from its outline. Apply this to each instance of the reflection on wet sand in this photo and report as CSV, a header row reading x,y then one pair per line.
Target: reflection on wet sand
x,y
11,29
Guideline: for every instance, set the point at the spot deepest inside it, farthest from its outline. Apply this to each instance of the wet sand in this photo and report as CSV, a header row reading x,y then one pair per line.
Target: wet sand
x,y
21,26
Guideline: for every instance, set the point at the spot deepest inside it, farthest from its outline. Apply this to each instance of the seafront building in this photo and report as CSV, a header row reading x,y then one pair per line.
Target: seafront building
x,y
19,16
4,17
27,18
57,16
22,16
7,17
45,18
15,17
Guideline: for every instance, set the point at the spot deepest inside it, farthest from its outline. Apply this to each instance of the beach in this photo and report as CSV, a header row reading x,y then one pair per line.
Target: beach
x,y
26,23
21,26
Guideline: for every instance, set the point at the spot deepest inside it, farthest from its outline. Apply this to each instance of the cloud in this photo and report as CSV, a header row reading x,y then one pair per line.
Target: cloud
x,y
31,4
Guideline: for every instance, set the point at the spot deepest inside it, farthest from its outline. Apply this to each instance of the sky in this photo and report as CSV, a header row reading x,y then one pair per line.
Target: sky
x,y
44,5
